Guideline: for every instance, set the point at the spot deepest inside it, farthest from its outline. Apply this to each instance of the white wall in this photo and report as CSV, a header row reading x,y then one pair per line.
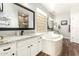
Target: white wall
x,y
63,28
75,23
62,12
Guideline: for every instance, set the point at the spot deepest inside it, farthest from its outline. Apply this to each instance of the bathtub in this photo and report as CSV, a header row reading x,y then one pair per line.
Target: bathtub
x,y
52,43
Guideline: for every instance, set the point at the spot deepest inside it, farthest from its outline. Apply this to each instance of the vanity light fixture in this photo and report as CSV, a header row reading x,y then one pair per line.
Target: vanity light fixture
x,y
40,11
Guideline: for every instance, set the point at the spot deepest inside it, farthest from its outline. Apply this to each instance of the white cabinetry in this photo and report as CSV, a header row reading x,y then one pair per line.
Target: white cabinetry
x,y
35,46
39,44
29,47
22,48
8,49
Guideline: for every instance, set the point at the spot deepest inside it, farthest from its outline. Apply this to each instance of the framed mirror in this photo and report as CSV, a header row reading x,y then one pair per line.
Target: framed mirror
x,y
17,17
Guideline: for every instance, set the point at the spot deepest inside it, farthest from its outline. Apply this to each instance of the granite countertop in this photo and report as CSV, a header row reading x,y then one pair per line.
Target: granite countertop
x,y
18,38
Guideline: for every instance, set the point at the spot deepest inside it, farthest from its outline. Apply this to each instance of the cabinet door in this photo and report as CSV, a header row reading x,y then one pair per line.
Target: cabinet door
x,y
34,47
22,51
22,48
29,47
39,45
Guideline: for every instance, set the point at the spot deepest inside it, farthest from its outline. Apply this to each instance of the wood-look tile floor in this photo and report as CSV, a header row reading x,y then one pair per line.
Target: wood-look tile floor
x,y
69,49
42,54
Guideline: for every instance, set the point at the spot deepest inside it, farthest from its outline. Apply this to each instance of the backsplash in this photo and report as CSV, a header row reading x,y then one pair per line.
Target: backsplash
x,y
16,33
8,33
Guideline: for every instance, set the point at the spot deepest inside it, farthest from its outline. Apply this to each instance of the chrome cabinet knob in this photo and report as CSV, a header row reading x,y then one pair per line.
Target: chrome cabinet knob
x,y
28,46
38,41
31,45
13,54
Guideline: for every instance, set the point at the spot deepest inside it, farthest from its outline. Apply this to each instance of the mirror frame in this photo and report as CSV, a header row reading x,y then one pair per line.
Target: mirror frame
x,y
4,29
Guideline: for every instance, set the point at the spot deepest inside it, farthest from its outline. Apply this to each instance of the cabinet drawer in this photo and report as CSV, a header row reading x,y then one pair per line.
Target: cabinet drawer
x,y
23,43
9,53
8,47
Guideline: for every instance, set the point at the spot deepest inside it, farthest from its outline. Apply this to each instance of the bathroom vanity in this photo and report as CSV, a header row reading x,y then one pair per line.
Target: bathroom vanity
x,y
32,44
27,45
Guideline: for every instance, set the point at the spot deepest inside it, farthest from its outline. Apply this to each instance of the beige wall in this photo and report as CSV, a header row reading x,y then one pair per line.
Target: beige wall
x,y
41,23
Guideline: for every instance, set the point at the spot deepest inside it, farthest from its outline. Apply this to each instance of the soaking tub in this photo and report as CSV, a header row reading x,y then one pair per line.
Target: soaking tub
x,y
52,43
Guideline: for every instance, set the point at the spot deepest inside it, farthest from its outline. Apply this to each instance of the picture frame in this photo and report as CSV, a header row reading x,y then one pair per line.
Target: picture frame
x,y
64,22
1,7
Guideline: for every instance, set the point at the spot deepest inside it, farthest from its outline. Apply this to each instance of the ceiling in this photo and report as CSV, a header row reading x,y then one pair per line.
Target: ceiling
x,y
57,8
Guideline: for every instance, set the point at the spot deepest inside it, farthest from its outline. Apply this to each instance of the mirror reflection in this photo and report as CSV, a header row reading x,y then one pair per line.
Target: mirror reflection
x,y
50,23
16,16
